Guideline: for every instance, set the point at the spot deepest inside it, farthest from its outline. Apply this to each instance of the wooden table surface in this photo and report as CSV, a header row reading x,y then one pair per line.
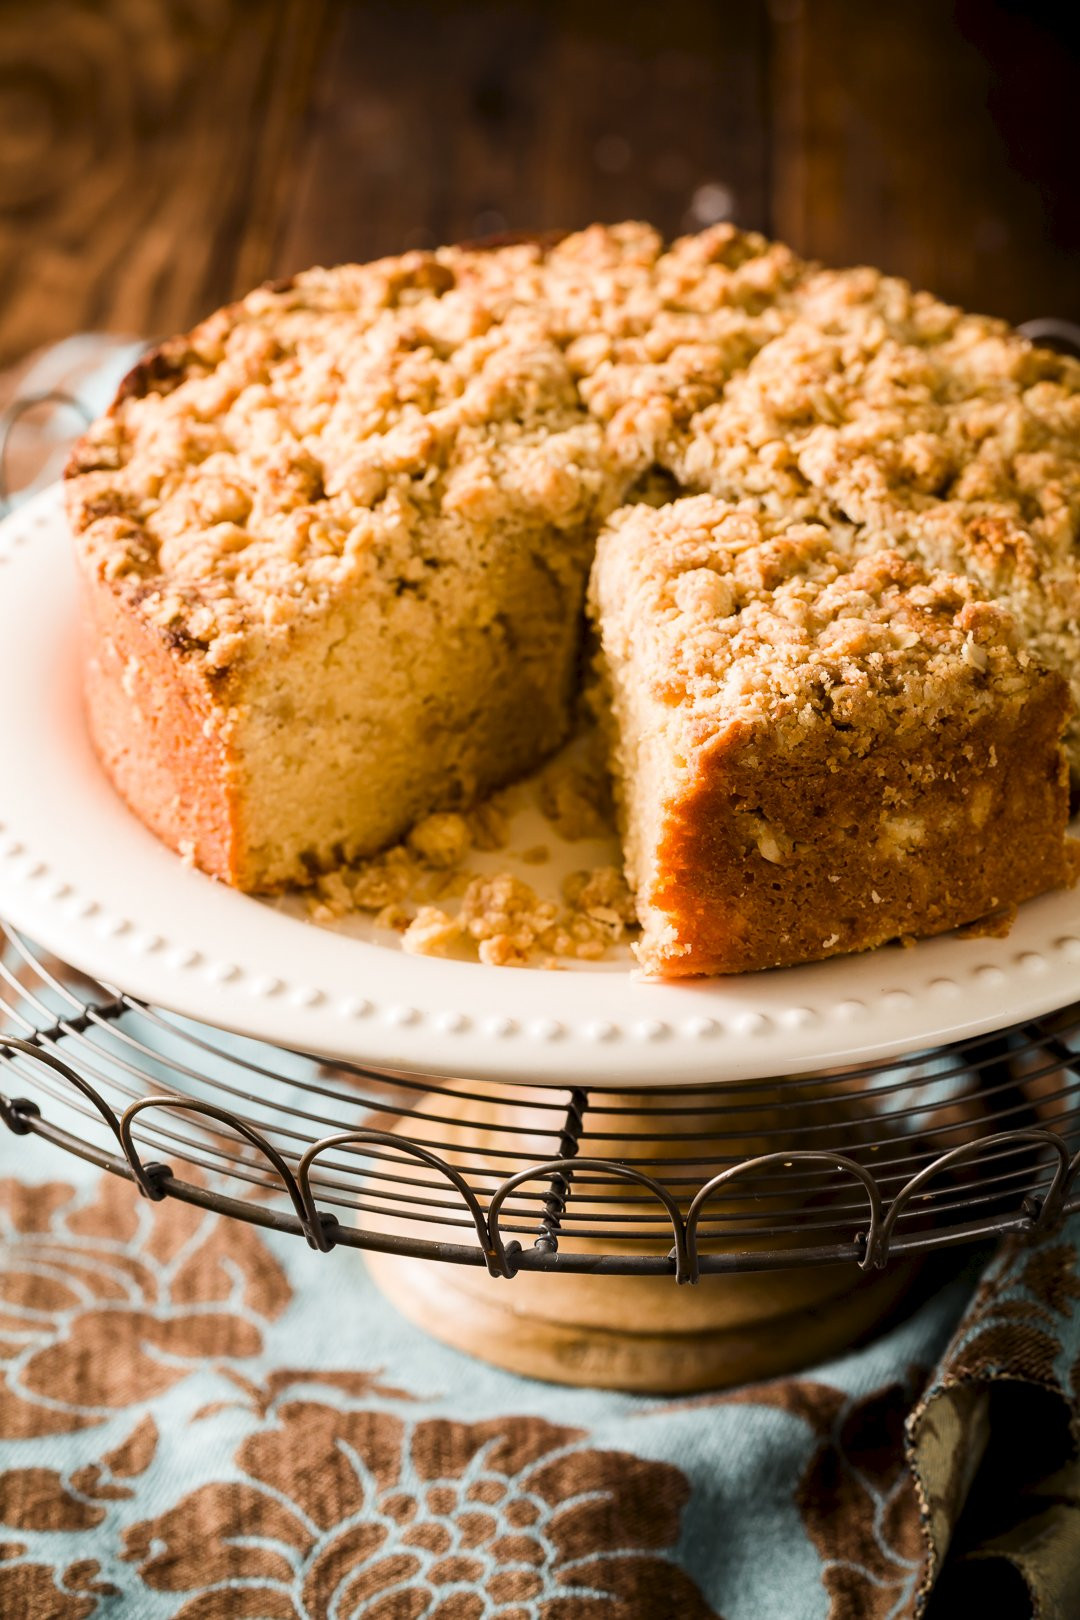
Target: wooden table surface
x,y
158,156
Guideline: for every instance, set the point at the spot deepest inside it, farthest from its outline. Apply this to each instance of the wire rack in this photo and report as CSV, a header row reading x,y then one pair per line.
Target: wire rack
x,y
864,1164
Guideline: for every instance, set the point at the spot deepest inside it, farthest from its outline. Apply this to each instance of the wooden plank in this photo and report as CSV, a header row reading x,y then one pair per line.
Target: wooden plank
x,y
146,155
934,140
439,122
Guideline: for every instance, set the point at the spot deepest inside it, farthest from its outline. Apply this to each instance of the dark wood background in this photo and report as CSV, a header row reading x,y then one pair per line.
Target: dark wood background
x,y
159,156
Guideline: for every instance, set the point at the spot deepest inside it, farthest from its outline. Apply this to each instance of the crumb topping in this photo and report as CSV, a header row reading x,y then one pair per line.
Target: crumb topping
x,y
912,426
349,420
430,891
733,615
310,433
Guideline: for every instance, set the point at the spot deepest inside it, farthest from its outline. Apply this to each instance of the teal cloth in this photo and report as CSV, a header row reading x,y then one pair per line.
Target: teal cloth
x,y
201,1419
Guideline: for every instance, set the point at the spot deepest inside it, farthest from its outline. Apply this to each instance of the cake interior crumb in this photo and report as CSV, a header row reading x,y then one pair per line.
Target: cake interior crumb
x,y
445,893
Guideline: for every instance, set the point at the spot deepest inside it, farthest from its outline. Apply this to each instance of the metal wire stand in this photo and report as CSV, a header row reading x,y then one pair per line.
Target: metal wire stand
x,y
968,1142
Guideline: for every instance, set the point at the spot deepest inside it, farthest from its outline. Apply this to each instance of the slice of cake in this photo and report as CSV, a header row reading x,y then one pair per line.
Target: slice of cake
x,y
943,434
815,752
333,549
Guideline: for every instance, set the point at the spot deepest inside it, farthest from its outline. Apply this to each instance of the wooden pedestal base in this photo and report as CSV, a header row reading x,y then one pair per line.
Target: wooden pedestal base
x,y
500,1322
634,1333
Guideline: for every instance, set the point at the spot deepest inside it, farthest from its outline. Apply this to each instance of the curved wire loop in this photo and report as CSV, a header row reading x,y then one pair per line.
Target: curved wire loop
x,y
319,1227
1072,1175
502,1257
13,414
12,1108
1051,328
1041,1213
150,1177
868,1240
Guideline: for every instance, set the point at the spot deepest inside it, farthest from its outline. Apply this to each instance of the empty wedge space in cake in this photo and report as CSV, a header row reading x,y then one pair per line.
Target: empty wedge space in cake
x,y
815,752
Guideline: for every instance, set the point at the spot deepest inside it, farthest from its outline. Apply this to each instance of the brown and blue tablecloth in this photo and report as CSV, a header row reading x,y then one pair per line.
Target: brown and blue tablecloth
x,y
201,1420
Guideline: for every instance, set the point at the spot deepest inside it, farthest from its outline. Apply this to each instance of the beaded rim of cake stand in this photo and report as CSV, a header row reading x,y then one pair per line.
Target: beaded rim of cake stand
x,y
969,1142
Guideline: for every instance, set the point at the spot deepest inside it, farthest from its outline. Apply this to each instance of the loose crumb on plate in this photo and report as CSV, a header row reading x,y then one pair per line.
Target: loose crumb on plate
x,y
499,919
576,800
996,926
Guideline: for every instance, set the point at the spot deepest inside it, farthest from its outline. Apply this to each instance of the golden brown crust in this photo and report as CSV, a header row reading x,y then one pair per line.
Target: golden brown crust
x,y
154,723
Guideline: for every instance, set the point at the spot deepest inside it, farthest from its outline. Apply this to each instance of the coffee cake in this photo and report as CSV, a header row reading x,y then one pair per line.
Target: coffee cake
x,y
334,542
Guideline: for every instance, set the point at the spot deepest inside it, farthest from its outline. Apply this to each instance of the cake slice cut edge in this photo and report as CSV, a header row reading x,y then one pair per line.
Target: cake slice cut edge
x,y
815,753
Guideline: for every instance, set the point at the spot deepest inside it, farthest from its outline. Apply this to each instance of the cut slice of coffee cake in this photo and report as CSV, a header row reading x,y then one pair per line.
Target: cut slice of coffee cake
x,y
942,434
815,752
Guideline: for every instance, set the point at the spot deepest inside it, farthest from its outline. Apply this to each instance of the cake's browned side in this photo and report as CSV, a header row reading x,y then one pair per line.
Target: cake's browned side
x,y
154,721
891,844
818,752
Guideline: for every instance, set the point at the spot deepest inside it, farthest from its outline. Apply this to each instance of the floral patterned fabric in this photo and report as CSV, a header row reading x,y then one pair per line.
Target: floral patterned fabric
x,y
200,1420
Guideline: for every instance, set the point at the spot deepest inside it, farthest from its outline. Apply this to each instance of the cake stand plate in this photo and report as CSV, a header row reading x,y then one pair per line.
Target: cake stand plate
x,y
81,875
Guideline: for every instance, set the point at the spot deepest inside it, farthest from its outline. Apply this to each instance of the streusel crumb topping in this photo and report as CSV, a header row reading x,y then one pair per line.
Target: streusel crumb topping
x,y
429,889
358,418
736,615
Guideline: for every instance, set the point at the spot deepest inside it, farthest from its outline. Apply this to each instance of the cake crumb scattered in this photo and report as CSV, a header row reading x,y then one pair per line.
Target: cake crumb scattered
x,y
576,800
603,896
432,932
504,950
489,824
440,840
395,916
499,919
507,916
997,925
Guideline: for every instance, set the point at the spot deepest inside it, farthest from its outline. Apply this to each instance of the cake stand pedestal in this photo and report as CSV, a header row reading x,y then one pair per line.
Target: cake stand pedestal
x,y
630,1334
633,1332
548,1228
